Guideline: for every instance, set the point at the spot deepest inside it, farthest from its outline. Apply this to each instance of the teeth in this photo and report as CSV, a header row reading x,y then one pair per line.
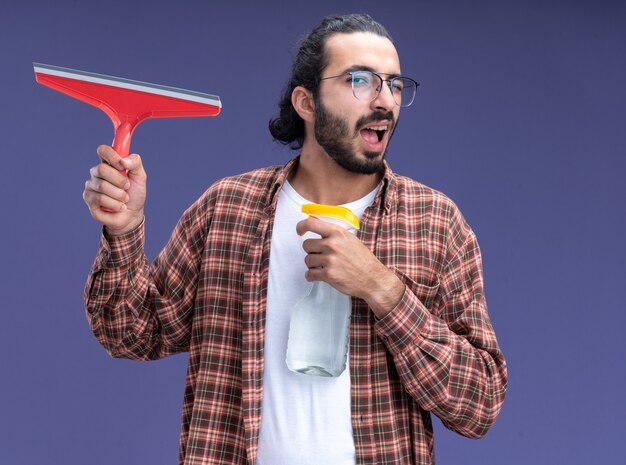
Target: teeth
x,y
377,128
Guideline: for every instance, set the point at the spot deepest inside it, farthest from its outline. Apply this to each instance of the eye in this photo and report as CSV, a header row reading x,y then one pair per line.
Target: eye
x,y
396,85
361,80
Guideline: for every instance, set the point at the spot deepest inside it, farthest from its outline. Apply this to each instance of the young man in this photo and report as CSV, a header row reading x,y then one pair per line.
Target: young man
x,y
223,287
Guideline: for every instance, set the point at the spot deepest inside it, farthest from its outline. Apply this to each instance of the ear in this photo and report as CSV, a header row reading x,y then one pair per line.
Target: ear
x,y
302,101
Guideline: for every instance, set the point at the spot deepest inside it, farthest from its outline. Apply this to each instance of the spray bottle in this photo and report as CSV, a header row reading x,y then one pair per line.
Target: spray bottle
x,y
319,327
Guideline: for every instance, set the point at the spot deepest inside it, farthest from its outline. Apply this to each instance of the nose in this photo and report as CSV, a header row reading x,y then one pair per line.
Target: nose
x,y
384,100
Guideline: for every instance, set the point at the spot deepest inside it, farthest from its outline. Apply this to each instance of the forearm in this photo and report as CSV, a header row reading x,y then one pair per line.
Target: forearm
x,y
460,378
139,311
115,314
383,291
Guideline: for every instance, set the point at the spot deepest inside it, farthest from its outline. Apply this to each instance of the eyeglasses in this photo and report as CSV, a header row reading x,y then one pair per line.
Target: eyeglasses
x,y
366,85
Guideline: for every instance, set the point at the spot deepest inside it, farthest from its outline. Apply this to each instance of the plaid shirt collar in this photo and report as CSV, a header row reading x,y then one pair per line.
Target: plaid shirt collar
x,y
385,194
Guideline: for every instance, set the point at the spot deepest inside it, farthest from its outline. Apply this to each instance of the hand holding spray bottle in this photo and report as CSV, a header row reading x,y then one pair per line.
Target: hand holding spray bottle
x,y
320,322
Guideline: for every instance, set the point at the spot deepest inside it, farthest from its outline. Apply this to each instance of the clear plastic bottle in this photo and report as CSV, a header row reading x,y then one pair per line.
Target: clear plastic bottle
x,y
319,329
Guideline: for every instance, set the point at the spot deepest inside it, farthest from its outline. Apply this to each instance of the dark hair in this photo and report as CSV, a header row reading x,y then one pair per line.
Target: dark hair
x,y
310,61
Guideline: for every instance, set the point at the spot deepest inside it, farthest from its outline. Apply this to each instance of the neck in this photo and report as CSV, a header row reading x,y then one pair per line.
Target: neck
x,y
320,179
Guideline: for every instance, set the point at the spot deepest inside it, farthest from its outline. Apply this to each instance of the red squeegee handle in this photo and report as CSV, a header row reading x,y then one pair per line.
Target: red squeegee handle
x,y
121,144
121,141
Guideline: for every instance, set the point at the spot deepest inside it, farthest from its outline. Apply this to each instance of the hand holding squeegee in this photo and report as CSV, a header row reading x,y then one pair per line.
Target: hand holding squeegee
x,y
126,102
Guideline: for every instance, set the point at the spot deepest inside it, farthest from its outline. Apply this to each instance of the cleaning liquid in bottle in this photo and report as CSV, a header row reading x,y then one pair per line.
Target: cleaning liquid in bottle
x,y
319,329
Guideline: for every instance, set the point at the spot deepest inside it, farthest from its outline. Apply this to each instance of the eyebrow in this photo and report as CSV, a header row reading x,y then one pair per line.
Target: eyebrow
x,y
368,68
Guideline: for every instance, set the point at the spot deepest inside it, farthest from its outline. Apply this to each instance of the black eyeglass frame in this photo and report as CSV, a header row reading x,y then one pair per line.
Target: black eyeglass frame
x,y
380,86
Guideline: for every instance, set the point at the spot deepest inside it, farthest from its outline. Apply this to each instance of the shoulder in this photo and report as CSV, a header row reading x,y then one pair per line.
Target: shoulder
x,y
250,185
241,197
250,191
415,196
251,182
431,212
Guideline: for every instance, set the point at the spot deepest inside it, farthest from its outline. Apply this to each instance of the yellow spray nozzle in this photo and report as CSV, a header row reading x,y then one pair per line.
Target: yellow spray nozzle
x,y
331,211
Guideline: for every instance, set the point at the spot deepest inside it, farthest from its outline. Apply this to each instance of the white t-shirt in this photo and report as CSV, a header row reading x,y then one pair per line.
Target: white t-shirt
x,y
305,420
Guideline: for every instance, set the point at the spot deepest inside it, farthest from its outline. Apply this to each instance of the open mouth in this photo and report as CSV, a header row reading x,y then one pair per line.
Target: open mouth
x,y
374,134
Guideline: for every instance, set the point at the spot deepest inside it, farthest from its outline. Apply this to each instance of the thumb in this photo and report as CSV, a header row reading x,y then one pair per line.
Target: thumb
x,y
133,165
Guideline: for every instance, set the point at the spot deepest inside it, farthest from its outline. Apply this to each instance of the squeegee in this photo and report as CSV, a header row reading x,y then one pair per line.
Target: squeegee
x,y
125,101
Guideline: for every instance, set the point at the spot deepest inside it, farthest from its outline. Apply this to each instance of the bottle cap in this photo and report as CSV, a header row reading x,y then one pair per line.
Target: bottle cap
x,y
331,211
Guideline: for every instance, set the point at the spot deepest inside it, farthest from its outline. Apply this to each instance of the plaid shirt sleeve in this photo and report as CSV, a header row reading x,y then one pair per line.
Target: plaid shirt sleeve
x,y
447,356
142,312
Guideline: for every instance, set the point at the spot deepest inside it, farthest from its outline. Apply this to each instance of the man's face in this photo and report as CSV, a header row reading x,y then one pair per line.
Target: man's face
x,y
353,132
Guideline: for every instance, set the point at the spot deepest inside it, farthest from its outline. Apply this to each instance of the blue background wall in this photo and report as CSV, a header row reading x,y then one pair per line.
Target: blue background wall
x,y
520,119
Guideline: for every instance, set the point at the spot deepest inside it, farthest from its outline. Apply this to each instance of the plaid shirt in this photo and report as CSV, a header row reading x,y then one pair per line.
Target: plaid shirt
x,y
206,293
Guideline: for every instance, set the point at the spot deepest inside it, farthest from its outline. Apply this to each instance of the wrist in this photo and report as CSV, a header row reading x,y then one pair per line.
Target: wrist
x,y
385,292
134,224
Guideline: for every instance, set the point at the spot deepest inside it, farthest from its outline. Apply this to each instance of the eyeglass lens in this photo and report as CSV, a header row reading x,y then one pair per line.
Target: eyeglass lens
x,y
366,86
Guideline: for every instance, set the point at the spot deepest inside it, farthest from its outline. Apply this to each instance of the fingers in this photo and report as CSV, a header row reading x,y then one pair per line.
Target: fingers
x,y
333,241
115,192
133,166
101,186
104,173
314,260
313,246
132,163
317,269
315,274
321,259
106,187
110,156
97,201
109,185
315,225
321,267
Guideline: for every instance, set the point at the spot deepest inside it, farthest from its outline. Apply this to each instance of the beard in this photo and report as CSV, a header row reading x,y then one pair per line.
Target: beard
x,y
333,135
